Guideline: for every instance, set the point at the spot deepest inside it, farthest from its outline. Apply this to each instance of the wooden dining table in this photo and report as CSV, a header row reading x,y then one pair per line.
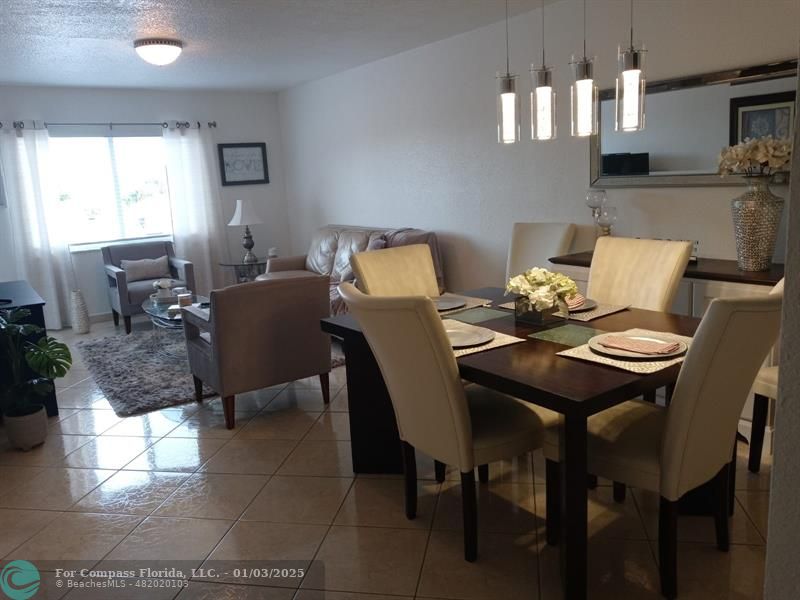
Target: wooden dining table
x,y
531,371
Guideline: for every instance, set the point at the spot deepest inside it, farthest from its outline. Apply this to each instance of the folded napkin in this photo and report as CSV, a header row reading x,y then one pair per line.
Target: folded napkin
x,y
576,301
641,346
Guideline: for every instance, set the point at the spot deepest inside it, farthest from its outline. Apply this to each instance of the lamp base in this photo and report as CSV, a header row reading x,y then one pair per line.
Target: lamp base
x,y
249,258
248,244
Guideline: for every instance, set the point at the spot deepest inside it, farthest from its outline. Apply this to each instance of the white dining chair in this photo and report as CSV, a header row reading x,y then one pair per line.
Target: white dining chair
x,y
533,244
399,271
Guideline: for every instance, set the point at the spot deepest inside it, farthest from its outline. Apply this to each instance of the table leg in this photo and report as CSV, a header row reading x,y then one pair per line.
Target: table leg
x,y
574,499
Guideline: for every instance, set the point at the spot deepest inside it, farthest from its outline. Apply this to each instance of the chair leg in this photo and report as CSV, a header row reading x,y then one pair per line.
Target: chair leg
x,y
760,410
227,408
721,509
649,396
410,471
439,469
469,504
668,547
198,389
115,316
483,473
324,382
591,481
619,492
553,502
127,320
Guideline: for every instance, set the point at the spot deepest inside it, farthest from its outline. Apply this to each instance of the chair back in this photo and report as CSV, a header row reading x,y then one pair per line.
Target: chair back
x,y
640,273
414,354
114,255
399,271
533,244
728,349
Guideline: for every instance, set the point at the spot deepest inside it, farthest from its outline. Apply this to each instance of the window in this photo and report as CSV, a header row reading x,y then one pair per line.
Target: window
x,y
109,188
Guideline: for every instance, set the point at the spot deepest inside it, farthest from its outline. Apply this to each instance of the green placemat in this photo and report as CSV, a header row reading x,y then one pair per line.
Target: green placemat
x,y
480,314
567,335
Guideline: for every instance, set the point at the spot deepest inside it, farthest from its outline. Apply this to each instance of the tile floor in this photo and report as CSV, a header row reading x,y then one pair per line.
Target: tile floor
x,y
175,484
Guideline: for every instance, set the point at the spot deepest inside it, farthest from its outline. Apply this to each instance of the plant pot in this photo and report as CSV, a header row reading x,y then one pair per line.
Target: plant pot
x,y
756,217
26,431
524,312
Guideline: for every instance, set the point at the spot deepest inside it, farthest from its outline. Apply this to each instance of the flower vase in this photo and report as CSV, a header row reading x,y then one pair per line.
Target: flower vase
x,y
525,312
756,217
79,314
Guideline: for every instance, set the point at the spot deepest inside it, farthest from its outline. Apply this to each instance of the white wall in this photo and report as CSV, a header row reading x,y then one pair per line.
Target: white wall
x,y
240,117
410,140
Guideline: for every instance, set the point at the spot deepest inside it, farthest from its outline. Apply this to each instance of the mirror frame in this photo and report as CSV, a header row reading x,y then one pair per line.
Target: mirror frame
x,y
776,70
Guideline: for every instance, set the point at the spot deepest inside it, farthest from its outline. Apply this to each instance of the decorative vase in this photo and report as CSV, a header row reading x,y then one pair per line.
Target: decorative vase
x,y
79,314
756,217
525,312
28,430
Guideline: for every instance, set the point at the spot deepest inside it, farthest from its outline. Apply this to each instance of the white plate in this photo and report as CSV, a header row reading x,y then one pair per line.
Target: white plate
x,y
466,338
443,304
595,346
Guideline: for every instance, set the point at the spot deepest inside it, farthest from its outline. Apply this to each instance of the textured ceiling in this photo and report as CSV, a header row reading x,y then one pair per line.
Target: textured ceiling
x,y
229,44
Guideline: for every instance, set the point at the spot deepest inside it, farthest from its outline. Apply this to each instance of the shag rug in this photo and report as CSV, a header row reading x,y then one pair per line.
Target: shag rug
x,y
136,379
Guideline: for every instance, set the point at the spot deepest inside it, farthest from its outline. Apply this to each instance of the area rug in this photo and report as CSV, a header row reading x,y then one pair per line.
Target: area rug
x,y
136,379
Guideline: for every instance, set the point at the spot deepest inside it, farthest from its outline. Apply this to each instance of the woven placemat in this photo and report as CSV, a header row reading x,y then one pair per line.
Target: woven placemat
x,y
500,339
602,310
470,303
640,367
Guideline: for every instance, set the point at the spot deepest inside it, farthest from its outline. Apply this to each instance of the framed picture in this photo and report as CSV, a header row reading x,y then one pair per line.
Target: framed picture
x,y
759,116
243,164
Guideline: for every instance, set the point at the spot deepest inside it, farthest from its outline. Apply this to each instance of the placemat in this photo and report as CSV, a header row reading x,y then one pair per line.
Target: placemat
x,y
479,315
640,367
470,302
602,310
567,335
500,339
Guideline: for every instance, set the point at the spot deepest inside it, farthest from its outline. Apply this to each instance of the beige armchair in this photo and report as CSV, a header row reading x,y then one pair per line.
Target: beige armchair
x,y
673,450
257,335
401,271
457,425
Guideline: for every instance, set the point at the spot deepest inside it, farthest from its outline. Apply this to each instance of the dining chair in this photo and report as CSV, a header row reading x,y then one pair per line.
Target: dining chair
x,y
533,244
399,271
458,425
673,450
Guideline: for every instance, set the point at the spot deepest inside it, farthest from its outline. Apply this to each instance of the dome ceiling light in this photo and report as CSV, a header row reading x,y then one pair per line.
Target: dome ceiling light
x,y
158,51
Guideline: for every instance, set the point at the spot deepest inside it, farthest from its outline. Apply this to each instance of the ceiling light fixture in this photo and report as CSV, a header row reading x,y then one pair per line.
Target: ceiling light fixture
x,y
630,86
543,99
508,105
158,51
583,92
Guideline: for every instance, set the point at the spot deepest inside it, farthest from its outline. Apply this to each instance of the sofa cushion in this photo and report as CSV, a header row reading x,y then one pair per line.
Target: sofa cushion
x,y
353,242
323,251
146,268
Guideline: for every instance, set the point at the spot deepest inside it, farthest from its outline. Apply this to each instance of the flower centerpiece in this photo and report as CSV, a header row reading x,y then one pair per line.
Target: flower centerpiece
x,y
541,293
757,212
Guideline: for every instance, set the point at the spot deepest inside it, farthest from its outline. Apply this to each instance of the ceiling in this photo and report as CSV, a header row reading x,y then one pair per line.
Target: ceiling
x,y
229,44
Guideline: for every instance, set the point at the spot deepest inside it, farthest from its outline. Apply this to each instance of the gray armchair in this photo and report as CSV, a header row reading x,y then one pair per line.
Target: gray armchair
x,y
259,334
126,297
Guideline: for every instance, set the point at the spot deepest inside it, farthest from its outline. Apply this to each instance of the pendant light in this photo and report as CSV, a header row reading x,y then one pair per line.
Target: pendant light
x,y
630,86
508,105
583,92
543,99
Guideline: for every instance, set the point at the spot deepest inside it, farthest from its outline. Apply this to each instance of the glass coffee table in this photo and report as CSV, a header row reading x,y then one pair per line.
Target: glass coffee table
x,y
167,330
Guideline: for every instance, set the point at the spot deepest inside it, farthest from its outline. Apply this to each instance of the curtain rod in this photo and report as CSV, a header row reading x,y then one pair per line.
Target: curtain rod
x,y
111,124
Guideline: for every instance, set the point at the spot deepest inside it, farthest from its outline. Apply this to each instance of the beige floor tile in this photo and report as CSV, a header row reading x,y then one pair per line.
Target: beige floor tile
x,y
517,470
55,489
298,398
209,496
299,500
279,425
254,457
80,395
326,595
63,413
506,567
756,504
48,588
87,422
197,590
77,537
368,559
319,458
108,452
250,402
176,454
705,573
20,525
339,402
381,503
331,426
131,493
502,508
130,592
11,477
209,424
75,375
51,453
153,425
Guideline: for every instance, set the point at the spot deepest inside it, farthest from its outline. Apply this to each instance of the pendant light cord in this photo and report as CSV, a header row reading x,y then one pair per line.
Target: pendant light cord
x,y
508,59
543,61
584,29
631,24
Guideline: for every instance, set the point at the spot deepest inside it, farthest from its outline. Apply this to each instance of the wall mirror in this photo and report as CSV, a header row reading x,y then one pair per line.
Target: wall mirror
x,y
688,121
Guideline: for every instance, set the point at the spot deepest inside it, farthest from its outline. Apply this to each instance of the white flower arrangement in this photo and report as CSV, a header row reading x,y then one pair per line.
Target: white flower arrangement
x,y
760,156
543,289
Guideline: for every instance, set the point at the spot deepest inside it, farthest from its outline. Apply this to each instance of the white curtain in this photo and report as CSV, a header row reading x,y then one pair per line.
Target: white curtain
x,y
40,257
197,220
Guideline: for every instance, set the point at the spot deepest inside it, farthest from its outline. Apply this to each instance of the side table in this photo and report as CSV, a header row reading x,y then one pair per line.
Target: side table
x,y
245,272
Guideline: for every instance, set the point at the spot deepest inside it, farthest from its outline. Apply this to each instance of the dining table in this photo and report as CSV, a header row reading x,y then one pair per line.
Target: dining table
x,y
531,371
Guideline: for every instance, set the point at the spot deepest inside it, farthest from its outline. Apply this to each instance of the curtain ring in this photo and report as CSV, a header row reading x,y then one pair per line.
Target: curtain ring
x,y
19,124
164,125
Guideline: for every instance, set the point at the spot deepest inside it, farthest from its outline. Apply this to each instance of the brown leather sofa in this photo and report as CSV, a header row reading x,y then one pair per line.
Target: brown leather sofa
x,y
332,247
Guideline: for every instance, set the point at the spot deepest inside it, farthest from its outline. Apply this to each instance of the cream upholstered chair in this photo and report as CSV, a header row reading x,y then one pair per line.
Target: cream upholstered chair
x,y
460,426
533,244
400,271
640,273
673,450
259,334
764,388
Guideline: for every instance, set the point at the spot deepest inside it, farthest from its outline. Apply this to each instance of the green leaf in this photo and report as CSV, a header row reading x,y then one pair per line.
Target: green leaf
x,y
48,357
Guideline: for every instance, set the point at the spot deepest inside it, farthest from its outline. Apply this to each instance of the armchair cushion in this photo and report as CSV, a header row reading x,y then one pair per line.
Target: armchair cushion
x,y
146,268
139,291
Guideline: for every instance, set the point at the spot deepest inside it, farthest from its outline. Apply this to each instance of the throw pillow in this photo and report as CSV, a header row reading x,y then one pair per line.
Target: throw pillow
x,y
146,268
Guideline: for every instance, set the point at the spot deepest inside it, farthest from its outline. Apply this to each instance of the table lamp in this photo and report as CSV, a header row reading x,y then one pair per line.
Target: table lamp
x,y
246,215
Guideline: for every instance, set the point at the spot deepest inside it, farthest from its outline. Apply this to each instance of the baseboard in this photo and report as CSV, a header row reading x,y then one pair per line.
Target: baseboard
x,y
746,429
100,317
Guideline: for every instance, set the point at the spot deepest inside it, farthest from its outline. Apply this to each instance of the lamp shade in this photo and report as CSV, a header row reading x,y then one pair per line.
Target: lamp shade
x,y
245,214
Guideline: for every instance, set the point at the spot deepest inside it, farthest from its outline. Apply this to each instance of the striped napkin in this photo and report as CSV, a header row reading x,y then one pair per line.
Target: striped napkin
x,y
576,301
640,346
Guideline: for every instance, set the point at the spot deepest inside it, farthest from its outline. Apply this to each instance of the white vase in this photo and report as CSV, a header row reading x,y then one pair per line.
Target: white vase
x,y
79,314
26,431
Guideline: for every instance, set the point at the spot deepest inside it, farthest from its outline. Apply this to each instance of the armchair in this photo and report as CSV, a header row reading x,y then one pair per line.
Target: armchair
x,y
125,296
259,334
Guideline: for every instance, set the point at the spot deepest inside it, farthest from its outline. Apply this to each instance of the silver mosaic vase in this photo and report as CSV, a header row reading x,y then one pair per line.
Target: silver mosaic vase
x,y
756,217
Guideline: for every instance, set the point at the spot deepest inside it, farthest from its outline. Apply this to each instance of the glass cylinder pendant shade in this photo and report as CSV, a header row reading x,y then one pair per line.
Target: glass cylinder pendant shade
x,y
630,89
583,98
508,109
543,105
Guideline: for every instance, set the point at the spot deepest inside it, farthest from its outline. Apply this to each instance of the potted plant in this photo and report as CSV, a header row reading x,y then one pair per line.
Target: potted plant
x,y
541,293
25,418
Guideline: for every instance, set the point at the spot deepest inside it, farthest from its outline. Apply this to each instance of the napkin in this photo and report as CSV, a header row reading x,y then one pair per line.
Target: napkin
x,y
576,301
641,346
